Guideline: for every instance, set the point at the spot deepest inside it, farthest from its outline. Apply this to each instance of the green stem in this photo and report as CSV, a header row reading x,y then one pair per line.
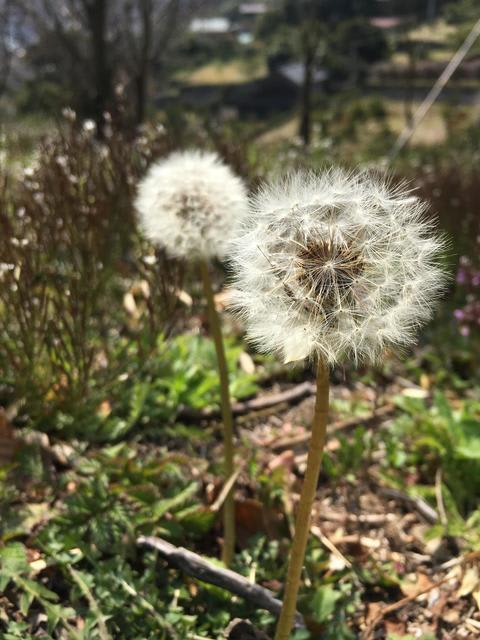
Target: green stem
x,y
309,489
216,332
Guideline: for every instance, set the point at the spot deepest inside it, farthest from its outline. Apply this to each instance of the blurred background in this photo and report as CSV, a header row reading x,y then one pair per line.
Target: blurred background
x,y
272,86
108,383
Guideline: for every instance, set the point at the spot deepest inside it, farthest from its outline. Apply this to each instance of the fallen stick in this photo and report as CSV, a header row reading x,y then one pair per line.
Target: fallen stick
x,y
340,425
418,504
258,403
194,565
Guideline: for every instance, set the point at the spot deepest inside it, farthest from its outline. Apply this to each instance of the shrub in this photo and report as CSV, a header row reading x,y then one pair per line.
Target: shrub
x,y
77,293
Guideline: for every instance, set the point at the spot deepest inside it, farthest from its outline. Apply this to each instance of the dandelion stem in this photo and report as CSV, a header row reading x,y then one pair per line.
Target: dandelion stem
x,y
216,332
302,524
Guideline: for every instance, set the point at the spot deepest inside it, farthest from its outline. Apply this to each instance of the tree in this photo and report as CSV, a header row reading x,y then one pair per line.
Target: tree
x,y
7,28
356,44
94,45
158,24
329,29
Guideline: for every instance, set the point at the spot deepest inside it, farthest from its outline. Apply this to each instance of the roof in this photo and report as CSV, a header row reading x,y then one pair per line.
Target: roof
x,y
253,8
210,25
390,22
295,72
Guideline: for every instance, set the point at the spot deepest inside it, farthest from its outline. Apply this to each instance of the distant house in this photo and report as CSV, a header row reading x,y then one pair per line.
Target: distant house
x,y
246,15
210,26
386,23
277,91
253,9
295,73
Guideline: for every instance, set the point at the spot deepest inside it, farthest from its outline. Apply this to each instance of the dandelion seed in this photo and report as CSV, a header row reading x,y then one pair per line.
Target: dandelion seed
x,y
89,126
338,265
191,203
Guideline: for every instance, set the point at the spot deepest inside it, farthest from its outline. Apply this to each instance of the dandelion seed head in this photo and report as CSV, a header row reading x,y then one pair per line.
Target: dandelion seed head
x,y
191,203
336,265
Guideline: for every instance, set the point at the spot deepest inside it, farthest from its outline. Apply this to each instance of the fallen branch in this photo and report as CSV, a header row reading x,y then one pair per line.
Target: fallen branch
x,y
194,565
418,504
255,404
340,425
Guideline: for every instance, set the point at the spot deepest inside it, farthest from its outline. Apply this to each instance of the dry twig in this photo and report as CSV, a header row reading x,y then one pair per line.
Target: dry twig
x,y
340,425
194,565
255,404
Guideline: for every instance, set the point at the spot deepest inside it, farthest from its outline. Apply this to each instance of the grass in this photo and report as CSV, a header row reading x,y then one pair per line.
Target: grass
x,y
232,72
438,32
433,130
19,139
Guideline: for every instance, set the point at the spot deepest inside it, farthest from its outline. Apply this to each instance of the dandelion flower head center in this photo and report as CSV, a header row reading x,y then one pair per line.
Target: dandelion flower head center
x,y
326,270
194,208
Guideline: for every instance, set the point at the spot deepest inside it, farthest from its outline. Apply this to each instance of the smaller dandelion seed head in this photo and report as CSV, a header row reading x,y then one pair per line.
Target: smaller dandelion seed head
x,y
191,204
338,265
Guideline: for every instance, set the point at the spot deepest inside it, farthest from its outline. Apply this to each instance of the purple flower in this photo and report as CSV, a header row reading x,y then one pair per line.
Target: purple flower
x,y
459,314
465,331
461,276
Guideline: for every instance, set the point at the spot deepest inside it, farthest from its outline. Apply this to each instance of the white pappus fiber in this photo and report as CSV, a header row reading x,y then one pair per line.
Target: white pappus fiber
x,y
190,204
336,265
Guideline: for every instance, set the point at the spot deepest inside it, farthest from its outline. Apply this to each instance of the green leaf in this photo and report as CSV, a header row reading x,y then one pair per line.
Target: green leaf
x,y
26,599
197,520
323,603
37,590
13,563
159,509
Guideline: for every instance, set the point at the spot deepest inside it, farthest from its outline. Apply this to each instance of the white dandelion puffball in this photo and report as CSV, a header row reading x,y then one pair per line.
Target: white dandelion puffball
x,y
336,265
190,204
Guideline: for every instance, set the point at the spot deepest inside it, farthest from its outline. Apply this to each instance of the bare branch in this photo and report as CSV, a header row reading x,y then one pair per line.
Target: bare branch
x,y
194,565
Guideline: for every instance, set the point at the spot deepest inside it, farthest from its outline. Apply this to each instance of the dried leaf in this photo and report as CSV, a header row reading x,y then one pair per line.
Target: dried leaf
x,y
246,363
470,582
129,303
184,297
38,565
415,392
104,409
221,299
336,563
476,596
373,611
425,381
412,588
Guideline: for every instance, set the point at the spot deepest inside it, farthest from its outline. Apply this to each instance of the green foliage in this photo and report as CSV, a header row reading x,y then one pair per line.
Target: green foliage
x,y
188,377
15,568
111,585
67,236
180,374
447,439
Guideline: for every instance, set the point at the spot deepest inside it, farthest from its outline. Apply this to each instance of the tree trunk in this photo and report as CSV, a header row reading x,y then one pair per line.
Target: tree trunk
x,y
97,21
410,86
142,77
306,104
140,97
